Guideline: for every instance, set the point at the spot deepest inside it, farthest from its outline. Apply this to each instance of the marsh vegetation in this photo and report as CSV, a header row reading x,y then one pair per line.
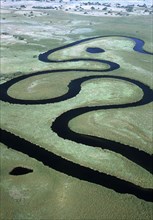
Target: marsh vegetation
x,y
63,196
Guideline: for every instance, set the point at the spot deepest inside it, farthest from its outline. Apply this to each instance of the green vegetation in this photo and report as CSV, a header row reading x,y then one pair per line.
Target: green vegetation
x,y
45,193
43,32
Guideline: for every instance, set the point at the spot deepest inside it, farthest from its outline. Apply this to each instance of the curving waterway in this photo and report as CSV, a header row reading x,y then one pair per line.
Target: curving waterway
x,y
141,158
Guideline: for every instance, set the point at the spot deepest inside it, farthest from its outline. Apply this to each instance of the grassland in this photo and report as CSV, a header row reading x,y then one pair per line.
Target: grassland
x,y
45,193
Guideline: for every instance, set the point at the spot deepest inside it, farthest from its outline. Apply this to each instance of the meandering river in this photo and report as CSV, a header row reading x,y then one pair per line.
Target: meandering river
x,y
141,158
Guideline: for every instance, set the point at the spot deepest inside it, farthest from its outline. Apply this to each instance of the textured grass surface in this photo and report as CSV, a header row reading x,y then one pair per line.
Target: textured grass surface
x,y
45,193
106,43
42,32
103,160
129,126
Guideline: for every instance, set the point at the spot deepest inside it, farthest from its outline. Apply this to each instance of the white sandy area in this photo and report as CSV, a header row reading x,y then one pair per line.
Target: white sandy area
x,y
114,8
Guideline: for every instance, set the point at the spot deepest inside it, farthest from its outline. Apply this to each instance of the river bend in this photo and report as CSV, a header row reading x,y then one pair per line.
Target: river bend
x,y
60,164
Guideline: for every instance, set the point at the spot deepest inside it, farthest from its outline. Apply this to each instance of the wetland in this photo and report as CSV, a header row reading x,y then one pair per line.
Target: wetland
x,y
104,98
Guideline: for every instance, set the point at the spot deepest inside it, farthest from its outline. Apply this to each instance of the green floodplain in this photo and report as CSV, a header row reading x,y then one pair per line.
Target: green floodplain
x,y
46,193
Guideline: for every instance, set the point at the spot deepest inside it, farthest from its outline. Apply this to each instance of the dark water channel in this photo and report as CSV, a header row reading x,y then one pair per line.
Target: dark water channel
x,y
20,171
60,126
94,50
